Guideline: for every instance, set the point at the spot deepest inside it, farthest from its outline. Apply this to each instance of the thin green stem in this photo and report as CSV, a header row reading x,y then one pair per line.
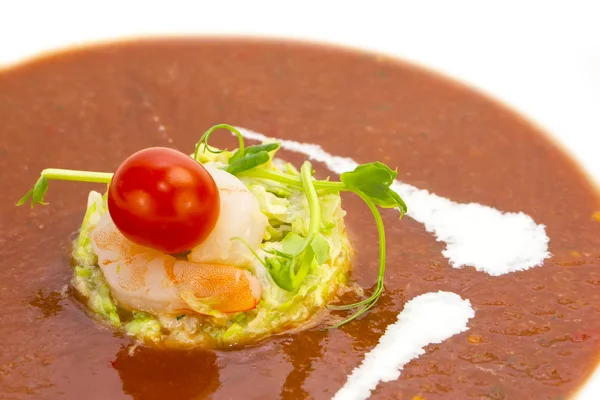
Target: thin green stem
x,y
289,179
314,206
357,314
382,255
78,176
37,193
280,177
245,243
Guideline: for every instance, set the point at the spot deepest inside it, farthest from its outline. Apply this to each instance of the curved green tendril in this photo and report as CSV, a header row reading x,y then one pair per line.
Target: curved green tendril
x,y
209,132
371,300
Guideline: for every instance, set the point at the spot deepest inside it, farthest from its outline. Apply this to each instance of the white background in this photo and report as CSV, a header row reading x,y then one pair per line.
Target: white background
x,y
540,57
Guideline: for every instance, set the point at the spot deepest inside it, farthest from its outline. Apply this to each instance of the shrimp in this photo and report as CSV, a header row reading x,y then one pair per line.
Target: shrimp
x,y
240,217
148,280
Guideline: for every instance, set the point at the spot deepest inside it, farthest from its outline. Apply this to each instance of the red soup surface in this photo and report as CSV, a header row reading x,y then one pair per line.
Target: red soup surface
x,y
536,333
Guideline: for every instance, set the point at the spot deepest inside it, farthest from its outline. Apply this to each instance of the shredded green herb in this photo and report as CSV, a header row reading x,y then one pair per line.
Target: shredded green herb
x,y
290,267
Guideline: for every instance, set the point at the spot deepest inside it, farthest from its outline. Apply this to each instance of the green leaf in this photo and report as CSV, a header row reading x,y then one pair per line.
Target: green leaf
x,y
39,190
24,199
269,147
247,158
284,268
248,162
320,246
292,243
388,199
280,272
374,180
36,194
281,267
307,260
238,155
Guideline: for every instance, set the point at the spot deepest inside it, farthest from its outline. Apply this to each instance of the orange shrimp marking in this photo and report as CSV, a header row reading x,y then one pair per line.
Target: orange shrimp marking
x,y
135,265
229,286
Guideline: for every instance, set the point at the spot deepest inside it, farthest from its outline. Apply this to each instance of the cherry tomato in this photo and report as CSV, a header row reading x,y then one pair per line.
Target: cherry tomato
x,y
163,199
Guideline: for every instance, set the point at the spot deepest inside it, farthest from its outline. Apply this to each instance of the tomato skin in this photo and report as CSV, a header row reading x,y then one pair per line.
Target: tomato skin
x,y
163,199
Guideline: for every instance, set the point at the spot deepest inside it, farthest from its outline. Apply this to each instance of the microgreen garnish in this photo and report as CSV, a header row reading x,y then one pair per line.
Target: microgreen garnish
x,y
371,182
37,193
366,304
251,157
289,266
374,181
244,158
